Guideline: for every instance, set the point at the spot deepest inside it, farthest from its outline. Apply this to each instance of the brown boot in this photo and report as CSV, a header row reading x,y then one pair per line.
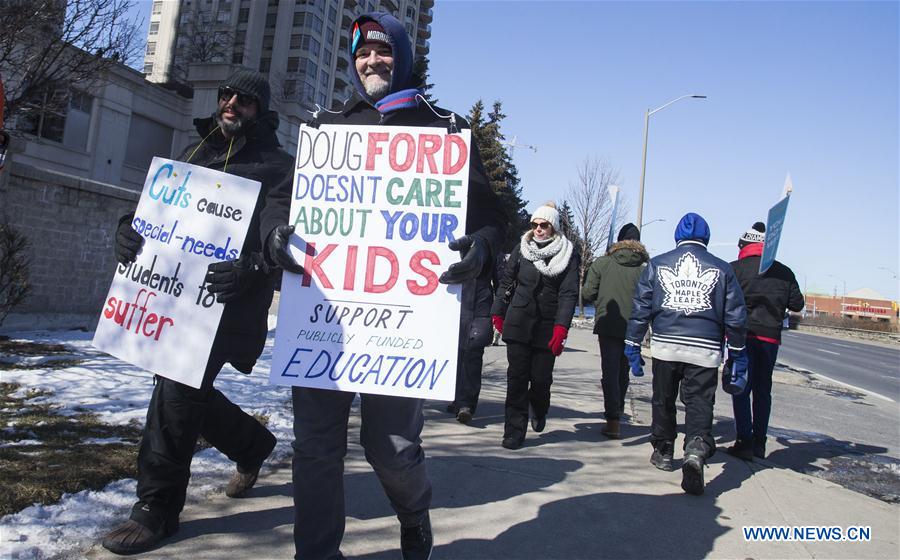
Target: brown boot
x,y
240,483
611,430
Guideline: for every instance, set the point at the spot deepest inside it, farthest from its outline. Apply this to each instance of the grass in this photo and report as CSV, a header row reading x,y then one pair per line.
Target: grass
x,y
58,460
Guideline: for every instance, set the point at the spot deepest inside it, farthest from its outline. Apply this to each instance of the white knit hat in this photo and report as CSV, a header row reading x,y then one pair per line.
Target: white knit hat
x,y
548,212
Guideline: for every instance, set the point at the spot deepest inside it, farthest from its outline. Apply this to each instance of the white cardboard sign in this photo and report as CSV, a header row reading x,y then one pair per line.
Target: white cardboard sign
x,y
158,314
374,208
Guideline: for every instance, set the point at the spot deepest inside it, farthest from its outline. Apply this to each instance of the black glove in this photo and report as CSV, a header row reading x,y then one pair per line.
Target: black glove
x,y
278,247
475,254
229,280
128,240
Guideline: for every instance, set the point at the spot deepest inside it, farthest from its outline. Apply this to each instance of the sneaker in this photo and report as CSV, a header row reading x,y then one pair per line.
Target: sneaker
x,y
511,443
662,457
692,473
742,449
416,542
538,423
611,430
133,537
464,416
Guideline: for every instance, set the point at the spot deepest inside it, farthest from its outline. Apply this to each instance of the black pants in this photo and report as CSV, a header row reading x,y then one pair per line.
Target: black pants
x,y
698,394
614,379
528,381
389,434
177,416
468,376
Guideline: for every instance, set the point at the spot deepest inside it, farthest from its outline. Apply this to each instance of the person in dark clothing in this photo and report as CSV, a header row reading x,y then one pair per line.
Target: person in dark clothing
x,y
767,295
391,426
610,283
541,276
690,298
475,332
238,139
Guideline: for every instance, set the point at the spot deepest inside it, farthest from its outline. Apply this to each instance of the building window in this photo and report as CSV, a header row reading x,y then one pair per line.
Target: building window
x,y
151,49
56,118
309,92
317,24
293,63
265,64
244,15
310,44
410,12
326,58
290,87
310,69
322,99
154,28
223,17
296,41
329,36
157,7
409,28
299,19
270,20
268,42
146,139
148,68
332,13
323,78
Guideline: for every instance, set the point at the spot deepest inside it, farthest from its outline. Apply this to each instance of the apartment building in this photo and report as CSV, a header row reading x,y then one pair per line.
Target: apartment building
x,y
301,44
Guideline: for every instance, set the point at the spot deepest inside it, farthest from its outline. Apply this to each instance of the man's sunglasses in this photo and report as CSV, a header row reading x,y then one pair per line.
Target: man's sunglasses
x,y
243,99
541,225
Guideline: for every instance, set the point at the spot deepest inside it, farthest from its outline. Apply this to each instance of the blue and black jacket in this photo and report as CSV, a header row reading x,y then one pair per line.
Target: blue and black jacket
x,y
692,301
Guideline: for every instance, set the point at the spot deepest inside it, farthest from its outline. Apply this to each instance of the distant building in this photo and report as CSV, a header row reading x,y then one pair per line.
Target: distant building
x,y
301,44
864,304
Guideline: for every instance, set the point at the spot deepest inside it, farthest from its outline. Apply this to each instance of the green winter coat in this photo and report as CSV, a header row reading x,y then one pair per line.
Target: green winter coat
x,y
609,284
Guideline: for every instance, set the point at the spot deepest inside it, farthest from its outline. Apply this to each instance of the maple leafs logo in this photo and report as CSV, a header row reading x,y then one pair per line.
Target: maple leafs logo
x,y
688,285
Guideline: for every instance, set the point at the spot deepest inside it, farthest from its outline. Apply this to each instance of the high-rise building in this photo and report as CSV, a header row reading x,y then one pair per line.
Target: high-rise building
x,y
301,44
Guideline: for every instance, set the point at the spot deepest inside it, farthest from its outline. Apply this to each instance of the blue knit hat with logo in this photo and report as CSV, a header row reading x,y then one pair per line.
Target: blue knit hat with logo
x,y
692,227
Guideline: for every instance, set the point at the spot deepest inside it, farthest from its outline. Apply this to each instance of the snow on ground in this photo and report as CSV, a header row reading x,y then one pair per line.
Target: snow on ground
x,y
119,393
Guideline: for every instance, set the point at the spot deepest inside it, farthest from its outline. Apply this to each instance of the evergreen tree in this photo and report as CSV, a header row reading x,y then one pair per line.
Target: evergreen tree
x,y
500,169
567,222
420,78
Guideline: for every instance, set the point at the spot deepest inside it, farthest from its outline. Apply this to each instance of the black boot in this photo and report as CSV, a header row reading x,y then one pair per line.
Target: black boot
x,y
759,447
692,467
742,449
464,416
142,532
662,455
416,541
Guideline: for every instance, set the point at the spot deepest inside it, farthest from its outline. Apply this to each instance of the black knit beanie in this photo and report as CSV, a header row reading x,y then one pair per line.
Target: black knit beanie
x,y
629,231
250,82
756,234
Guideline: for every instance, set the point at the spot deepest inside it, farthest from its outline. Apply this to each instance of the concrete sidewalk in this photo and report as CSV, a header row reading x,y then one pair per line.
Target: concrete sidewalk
x,y
569,493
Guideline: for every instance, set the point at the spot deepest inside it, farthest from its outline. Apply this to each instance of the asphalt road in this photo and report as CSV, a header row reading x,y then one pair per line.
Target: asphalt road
x,y
865,366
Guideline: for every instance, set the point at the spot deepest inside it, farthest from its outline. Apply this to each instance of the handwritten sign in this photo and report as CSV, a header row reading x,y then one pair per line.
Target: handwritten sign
x,y
374,208
158,314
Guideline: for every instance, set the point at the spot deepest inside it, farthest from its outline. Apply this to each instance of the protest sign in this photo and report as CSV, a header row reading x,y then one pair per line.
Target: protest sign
x,y
374,208
158,314
774,225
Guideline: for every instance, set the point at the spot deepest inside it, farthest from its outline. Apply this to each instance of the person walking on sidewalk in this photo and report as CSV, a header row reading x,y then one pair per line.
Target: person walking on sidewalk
x,y
691,299
239,138
609,284
386,94
767,296
541,277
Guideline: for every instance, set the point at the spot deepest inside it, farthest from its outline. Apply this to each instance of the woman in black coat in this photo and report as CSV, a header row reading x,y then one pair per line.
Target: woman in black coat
x,y
537,296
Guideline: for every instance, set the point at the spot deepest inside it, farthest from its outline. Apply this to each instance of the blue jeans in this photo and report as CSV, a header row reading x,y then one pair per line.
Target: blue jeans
x,y
752,420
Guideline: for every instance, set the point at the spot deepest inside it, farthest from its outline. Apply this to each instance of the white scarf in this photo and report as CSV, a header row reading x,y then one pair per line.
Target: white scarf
x,y
559,251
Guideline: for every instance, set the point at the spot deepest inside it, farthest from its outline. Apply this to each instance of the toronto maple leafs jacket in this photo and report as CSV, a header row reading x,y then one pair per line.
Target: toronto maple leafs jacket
x,y
692,301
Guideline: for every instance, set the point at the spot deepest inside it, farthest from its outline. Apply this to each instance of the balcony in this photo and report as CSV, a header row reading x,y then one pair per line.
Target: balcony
x,y
422,47
424,31
343,61
426,4
426,16
340,81
347,18
390,6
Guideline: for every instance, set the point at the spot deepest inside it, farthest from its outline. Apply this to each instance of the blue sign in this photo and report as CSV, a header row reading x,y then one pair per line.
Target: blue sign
x,y
774,224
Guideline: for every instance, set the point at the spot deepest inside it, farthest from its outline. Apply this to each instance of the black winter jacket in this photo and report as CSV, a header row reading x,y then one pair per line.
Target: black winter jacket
x,y
692,300
767,296
537,302
254,155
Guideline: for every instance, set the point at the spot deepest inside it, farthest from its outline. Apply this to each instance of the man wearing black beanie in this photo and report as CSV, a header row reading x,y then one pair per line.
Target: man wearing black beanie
x,y
238,138
767,296
609,284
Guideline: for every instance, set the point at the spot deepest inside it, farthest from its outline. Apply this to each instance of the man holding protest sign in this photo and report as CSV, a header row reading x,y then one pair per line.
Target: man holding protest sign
x,y
391,425
768,295
238,139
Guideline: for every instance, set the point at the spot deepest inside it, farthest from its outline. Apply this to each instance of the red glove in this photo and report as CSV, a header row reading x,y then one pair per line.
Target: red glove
x,y
498,323
557,341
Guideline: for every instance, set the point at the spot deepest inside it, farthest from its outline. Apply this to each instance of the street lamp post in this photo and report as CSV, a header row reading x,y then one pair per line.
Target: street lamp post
x,y
647,115
843,294
651,221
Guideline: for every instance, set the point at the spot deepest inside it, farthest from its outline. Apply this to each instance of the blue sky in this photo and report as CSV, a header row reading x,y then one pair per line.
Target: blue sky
x,y
806,88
